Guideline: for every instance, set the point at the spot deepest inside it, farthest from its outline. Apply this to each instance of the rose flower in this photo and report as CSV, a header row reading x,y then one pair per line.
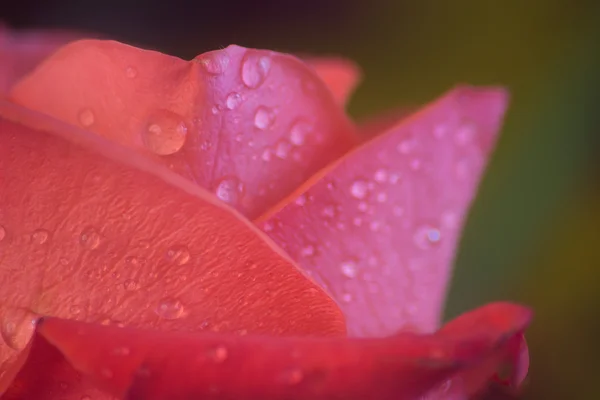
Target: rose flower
x,y
220,229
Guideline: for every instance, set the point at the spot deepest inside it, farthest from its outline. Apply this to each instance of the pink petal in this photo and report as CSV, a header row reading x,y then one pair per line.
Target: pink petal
x,y
379,228
147,364
250,125
90,230
340,75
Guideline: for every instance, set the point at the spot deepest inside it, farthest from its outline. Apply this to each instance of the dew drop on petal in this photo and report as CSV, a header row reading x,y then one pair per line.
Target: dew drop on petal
x,y
359,189
381,176
230,190
131,72
427,236
178,255
218,354
233,100
299,131
349,269
255,69
130,285
165,133
17,326
40,236
300,201
282,150
307,251
89,238
465,134
170,308
214,63
263,117
86,117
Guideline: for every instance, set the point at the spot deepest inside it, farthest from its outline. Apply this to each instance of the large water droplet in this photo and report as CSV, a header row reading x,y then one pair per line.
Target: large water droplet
x,y
359,189
17,326
165,133
230,190
90,238
255,69
170,308
86,117
215,63
233,100
349,269
178,255
40,236
263,118
427,236
218,354
299,131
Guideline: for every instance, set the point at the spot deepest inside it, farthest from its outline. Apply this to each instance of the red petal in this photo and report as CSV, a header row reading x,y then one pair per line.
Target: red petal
x,y
118,239
151,365
21,52
340,75
250,125
379,228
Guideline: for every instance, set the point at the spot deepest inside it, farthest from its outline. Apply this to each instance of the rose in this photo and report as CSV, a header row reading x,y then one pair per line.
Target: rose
x,y
152,287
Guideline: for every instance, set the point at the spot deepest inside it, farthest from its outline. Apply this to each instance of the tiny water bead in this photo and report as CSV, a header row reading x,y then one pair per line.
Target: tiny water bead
x,y
131,72
359,189
86,117
214,63
40,236
299,131
170,308
255,69
349,269
230,190
263,118
178,255
17,326
427,236
165,133
90,238
130,285
233,100
218,354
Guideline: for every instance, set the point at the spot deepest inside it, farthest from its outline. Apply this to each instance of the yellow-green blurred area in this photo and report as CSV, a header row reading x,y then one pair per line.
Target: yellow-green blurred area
x,y
533,235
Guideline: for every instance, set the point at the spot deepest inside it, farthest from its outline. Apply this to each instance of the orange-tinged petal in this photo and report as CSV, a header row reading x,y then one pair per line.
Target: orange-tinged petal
x,y
250,125
147,364
95,232
379,228
340,75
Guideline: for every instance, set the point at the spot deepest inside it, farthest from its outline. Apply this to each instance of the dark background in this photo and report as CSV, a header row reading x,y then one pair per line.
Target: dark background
x,y
534,233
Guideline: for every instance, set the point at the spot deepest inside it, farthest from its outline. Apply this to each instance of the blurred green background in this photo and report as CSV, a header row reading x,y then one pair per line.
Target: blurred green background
x,y
533,235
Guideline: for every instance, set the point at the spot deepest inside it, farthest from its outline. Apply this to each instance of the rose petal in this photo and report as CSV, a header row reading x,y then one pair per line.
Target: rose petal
x,y
250,125
87,237
379,228
340,75
385,121
21,52
146,364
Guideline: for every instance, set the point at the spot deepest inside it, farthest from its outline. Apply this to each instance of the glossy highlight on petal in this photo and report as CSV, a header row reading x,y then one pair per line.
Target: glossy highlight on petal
x,y
126,242
262,119
379,228
146,364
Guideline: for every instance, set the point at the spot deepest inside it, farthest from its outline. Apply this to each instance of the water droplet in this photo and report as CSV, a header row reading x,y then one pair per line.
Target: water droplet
x,y
267,227
381,175
165,133
307,251
230,190
178,255
349,269
465,134
299,131
406,146
359,189
328,211
375,226
292,376
415,164
131,72
218,354
215,63
346,297
263,118
300,201
2,233
266,155
357,221
427,236
282,150
86,117
363,206
17,326
394,178
439,131
170,308
130,284
398,211
381,197
233,100
255,69
40,236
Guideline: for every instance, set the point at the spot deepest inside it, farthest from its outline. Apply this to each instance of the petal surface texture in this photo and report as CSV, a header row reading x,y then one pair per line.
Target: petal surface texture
x,y
380,227
341,76
95,232
249,125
